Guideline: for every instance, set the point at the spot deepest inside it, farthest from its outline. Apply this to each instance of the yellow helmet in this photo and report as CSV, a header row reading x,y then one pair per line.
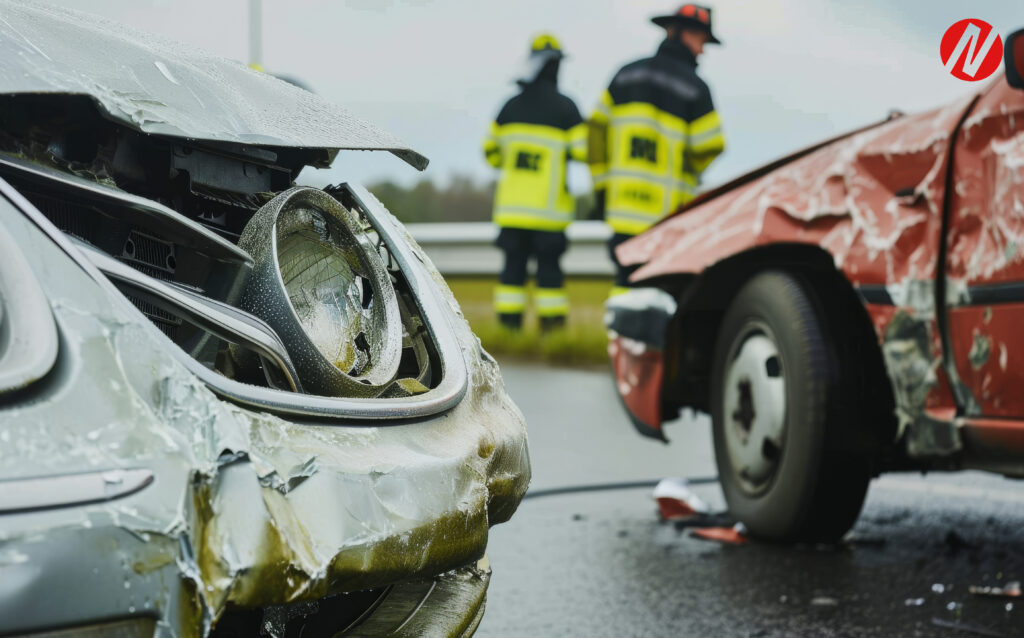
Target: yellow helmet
x,y
545,42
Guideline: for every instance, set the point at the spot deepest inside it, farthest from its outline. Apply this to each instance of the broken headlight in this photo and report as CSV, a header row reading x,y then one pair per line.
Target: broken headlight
x,y
320,283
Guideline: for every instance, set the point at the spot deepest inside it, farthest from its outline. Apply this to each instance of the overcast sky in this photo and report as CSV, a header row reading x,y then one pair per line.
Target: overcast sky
x,y
435,72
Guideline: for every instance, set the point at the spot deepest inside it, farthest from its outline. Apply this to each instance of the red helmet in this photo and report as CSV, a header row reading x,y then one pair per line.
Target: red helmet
x,y
693,16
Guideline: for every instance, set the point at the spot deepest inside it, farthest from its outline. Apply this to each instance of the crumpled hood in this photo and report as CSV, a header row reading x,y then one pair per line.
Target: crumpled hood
x,y
247,508
167,88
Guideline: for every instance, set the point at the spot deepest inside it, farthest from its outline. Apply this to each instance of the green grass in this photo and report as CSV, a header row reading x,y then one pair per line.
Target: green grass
x,y
582,343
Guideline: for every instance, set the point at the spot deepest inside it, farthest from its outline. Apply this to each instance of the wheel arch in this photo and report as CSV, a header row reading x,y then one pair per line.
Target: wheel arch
x,y
704,299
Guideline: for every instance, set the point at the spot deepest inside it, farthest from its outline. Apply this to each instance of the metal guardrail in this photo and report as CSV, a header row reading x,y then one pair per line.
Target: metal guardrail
x,y
467,248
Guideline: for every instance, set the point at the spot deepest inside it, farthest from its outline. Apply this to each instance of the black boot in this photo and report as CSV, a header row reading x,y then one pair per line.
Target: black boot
x,y
512,321
551,324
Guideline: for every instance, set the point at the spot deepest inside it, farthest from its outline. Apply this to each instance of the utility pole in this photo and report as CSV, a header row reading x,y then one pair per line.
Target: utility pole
x,y
256,34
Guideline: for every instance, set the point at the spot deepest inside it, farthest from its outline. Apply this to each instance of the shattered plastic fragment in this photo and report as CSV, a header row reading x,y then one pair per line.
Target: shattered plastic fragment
x,y
676,501
729,535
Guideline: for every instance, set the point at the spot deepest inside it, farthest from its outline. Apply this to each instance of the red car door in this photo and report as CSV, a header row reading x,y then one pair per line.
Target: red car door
x,y
985,258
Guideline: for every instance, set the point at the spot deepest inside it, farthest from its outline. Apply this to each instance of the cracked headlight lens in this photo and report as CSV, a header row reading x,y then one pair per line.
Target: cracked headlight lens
x,y
320,284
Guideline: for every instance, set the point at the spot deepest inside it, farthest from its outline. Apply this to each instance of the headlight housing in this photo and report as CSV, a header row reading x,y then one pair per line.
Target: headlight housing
x,y
319,282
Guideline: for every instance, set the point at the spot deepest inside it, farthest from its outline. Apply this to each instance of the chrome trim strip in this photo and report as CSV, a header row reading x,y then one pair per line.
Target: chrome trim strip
x,y
28,333
227,322
67,490
440,399
215,245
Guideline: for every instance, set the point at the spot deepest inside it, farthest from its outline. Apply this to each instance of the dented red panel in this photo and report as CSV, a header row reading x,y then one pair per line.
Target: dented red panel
x,y
912,349
986,339
872,200
986,239
639,371
985,265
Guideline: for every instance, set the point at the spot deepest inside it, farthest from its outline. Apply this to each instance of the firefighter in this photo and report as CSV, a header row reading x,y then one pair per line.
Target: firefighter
x,y
531,141
653,133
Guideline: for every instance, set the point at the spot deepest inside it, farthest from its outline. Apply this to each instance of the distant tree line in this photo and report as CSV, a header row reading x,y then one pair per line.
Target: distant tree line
x,y
462,200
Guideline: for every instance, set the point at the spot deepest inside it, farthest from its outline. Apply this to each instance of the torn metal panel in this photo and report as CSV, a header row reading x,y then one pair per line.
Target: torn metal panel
x,y
986,344
986,234
246,509
166,88
872,200
639,372
637,322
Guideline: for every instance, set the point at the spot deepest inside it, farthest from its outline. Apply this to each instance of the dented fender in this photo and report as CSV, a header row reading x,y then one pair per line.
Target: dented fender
x,y
246,509
874,201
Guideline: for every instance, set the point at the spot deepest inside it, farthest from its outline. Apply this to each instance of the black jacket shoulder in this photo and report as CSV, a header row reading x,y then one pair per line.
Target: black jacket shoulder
x,y
540,103
668,82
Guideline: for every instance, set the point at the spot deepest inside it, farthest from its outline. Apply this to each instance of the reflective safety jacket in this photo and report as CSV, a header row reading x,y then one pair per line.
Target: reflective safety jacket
x,y
534,135
652,135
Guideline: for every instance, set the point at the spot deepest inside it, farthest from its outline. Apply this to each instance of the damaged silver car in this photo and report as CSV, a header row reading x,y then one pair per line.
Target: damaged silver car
x,y
229,405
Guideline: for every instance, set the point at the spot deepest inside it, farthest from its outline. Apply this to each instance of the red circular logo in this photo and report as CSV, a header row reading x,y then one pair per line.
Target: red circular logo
x,y
971,50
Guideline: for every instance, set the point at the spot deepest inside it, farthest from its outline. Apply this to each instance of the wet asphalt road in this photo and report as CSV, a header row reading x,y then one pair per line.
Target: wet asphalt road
x,y
602,564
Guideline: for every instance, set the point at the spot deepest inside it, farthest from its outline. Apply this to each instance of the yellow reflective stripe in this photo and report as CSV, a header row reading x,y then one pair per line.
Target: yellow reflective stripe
x,y
509,299
537,133
529,220
645,113
599,175
492,150
551,302
578,136
533,196
685,182
706,141
700,161
707,138
704,123
617,290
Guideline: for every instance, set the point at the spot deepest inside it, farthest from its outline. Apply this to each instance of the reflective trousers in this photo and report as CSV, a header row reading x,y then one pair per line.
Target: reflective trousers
x,y
550,300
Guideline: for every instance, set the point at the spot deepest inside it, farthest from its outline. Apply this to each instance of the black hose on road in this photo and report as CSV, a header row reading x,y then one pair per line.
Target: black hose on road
x,y
605,487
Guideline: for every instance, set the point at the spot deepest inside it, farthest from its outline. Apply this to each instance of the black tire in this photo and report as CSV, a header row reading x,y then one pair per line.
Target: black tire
x,y
812,490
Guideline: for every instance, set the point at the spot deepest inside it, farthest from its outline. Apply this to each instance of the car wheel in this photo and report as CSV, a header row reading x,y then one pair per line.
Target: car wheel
x,y
773,391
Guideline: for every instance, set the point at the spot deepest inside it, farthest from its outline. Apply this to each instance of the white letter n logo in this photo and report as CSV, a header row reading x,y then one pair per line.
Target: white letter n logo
x,y
970,38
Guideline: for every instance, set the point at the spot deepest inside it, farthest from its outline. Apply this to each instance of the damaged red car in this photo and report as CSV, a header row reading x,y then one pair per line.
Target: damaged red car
x,y
851,309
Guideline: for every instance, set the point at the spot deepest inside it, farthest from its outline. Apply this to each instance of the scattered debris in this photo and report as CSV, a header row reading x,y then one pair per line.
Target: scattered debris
x,y
939,588
676,501
824,601
965,627
913,602
1009,607
1009,590
735,535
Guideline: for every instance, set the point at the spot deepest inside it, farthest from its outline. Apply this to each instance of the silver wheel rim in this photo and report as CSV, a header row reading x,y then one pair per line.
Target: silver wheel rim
x,y
754,408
